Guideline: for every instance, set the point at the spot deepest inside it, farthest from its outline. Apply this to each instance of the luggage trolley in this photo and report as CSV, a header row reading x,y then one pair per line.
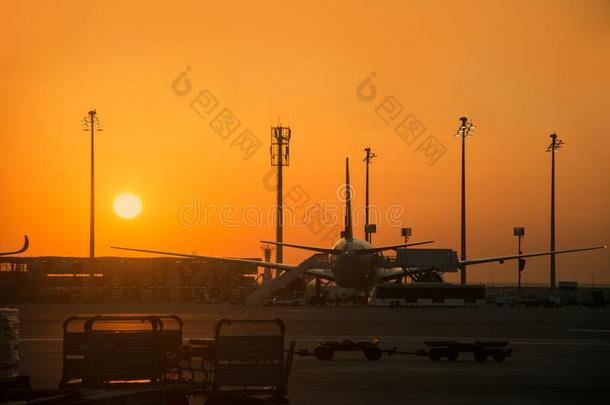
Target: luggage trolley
x,y
250,360
107,349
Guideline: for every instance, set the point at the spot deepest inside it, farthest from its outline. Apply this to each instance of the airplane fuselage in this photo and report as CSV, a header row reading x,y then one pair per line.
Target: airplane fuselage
x,y
352,269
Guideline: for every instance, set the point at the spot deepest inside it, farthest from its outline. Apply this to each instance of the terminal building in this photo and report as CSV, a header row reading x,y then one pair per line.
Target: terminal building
x,y
123,279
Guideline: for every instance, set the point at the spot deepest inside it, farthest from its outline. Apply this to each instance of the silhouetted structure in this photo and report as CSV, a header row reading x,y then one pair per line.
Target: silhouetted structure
x,y
519,232
92,123
267,272
406,233
280,140
555,145
26,245
464,130
112,279
367,229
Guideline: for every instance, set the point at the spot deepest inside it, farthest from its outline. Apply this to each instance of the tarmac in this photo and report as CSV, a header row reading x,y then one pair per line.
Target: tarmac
x,y
561,355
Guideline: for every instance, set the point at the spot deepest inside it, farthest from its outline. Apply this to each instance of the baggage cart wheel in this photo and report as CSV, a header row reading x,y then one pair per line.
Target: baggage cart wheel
x,y
452,355
480,356
498,356
434,354
323,353
372,354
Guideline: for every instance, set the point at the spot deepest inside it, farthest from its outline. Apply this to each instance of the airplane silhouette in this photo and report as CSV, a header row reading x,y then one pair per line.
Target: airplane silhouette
x,y
352,262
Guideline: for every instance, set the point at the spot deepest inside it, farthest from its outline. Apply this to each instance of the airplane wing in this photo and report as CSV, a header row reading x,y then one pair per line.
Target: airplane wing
x,y
501,259
26,245
340,252
280,266
390,247
305,247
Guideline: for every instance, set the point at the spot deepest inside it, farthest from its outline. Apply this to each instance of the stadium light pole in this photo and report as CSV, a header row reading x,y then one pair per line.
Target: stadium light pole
x,y
464,130
92,123
367,159
553,147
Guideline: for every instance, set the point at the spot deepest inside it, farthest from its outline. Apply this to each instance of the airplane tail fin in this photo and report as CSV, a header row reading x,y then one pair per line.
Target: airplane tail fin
x,y
348,233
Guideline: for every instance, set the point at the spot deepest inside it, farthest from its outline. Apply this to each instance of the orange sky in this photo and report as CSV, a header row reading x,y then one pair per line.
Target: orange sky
x,y
521,71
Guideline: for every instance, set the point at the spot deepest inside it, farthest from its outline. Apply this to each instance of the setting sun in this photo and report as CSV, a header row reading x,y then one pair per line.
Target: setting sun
x,y
127,206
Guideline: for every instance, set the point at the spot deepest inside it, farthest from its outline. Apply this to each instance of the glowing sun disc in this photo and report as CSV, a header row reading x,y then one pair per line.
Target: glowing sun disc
x,y
127,206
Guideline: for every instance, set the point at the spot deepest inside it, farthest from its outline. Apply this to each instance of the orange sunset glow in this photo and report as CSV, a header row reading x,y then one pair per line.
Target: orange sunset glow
x,y
343,76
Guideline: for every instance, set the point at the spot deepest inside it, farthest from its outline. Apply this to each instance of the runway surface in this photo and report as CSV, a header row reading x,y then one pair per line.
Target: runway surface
x,y
561,355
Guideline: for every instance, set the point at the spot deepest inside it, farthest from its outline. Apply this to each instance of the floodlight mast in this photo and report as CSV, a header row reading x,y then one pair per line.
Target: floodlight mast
x,y
553,147
367,231
464,131
92,123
